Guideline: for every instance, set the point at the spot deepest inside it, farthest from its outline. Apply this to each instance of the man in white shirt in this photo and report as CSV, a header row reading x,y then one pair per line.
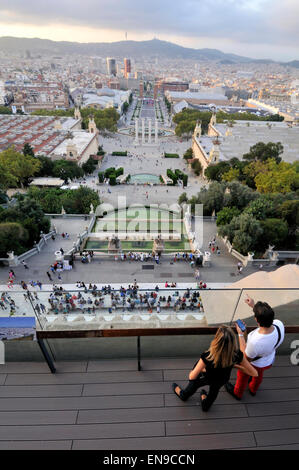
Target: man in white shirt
x,y
260,348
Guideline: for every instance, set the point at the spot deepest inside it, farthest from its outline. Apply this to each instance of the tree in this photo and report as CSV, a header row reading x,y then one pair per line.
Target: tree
x,y
79,200
188,155
22,167
28,150
252,169
186,120
74,201
89,166
185,127
28,212
289,211
54,112
47,166
100,150
214,172
13,237
263,152
232,174
275,117
196,167
243,232
261,208
211,198
279,178
67,170
275,232
5,110
226,215
7,179
125,107
105,119
238,195
183,198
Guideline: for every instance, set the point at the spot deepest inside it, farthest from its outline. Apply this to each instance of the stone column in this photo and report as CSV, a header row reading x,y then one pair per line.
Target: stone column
x,y
149,130
156,131
136,131
143,130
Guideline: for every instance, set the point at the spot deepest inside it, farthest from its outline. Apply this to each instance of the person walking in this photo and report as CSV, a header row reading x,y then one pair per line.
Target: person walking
x,y
260,348
25,264
214,368
49,276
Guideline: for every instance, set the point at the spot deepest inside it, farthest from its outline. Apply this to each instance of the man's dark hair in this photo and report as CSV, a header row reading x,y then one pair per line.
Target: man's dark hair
x,y
264,314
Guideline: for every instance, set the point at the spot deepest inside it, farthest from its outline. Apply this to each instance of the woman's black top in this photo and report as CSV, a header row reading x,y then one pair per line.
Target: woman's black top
x,y
219,375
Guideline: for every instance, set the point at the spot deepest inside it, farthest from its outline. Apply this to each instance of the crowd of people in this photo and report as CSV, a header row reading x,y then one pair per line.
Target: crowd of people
x,y
125,299
105,299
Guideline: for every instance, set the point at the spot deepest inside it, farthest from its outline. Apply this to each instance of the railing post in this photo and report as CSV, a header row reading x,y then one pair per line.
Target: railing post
x,y
138,353
46,355
241,292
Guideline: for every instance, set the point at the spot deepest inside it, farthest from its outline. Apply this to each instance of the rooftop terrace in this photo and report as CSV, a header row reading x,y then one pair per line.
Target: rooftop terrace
x,y
108,404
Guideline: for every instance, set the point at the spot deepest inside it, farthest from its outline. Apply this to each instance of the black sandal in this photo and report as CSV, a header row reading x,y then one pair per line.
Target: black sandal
x,y
203,392
174,386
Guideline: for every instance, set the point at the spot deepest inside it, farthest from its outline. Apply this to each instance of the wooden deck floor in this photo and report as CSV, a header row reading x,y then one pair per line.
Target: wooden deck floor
x,y
110,405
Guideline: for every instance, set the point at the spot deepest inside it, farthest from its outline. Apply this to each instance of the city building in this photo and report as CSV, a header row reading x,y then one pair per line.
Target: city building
x,y
29,97
287,109
141,88
49,136
111,66
201,97
172,85
101,98
237,139
127,71
206,149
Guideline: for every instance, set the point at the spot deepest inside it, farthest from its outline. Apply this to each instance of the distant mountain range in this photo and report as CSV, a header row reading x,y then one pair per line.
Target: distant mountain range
x,y
134,49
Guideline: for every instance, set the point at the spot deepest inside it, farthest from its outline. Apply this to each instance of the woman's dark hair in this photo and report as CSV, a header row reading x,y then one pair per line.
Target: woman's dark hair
x,y
264,314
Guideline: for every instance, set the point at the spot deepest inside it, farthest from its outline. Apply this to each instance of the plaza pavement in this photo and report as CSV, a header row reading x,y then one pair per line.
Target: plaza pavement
x,y
143,159
106,270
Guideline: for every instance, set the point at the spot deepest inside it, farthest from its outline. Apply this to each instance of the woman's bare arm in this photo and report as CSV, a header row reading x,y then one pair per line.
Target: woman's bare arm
x,y
200,367
247,368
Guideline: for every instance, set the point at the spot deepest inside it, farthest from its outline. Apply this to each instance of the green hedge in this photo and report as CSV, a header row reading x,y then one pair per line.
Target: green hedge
x,y
109,171
176,175
172,176
112,180
120,154
171,155
119,171
179,174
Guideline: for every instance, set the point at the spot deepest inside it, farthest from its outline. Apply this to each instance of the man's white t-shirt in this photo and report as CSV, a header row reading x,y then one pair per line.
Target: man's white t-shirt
x,y
264,345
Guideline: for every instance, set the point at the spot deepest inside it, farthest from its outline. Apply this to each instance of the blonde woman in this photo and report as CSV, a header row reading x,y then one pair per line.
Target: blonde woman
x,y
214,368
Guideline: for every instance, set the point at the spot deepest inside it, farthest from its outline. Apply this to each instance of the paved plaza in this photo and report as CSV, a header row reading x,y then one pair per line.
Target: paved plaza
x,y
104,269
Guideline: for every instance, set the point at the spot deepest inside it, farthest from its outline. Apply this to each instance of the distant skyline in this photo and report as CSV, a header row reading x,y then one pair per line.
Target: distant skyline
x,y
254,28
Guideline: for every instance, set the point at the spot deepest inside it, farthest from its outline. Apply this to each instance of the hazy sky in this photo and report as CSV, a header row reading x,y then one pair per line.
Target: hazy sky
x,y
255,28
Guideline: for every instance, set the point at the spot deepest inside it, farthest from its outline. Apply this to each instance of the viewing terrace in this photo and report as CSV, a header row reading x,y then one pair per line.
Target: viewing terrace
x,y
110,386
